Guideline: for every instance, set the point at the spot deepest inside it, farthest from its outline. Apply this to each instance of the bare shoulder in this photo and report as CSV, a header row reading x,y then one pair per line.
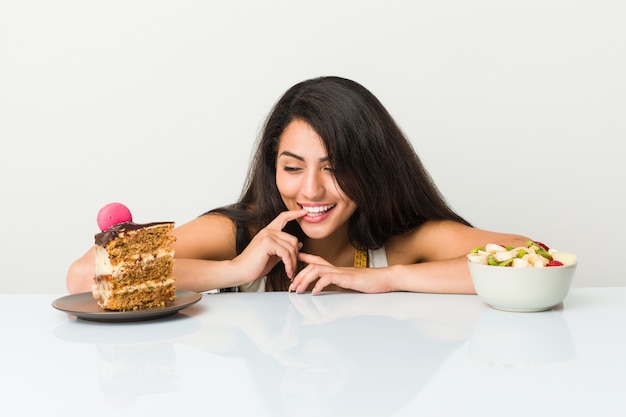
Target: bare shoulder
x,y
443,239
211,236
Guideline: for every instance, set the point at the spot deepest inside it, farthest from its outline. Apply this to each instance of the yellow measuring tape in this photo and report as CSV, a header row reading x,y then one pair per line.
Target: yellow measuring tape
x,y
360,259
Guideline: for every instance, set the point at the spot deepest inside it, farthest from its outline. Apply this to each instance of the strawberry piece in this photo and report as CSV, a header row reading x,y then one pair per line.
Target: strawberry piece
x,y
543,245
554,263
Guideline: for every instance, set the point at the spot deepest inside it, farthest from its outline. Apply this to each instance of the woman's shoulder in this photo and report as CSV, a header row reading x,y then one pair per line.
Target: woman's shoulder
x,y
210,236
424,242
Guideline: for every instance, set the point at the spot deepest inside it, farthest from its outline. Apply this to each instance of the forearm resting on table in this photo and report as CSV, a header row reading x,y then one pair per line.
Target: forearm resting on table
x,y
449,276
202,275
191,274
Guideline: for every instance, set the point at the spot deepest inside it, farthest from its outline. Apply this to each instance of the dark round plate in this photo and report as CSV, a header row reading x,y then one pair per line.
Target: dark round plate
x,y
85,307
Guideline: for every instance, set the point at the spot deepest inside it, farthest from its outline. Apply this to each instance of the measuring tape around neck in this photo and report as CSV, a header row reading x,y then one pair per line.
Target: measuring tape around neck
x,y
360,258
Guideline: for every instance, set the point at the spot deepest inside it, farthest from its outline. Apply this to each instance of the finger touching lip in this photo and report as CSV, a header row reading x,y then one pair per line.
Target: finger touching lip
x,y
285,217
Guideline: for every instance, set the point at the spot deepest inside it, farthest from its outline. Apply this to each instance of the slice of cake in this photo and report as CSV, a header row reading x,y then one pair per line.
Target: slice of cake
x,y
134,262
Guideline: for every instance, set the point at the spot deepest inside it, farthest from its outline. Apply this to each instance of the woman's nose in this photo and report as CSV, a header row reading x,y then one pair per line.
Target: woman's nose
x,y
313,186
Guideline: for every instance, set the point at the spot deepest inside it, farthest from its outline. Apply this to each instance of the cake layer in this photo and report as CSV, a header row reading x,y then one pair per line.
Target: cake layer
x,y
153,293
138,268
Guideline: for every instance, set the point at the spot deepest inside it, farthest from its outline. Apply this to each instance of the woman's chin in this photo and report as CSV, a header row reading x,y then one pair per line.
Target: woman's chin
x,y
314,231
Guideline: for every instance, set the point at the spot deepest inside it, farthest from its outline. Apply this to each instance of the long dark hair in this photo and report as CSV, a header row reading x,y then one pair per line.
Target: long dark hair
x,y
373,163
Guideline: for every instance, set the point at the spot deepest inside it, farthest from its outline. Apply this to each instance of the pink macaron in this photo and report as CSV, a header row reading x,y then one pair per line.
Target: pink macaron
x,y
112,214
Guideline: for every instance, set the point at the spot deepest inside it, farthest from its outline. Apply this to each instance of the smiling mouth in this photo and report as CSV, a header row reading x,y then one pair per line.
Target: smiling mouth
x,y
317,210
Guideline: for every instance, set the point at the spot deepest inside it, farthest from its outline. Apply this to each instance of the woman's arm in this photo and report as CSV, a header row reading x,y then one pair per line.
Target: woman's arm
x,y
205,238
205,255
81,273
432,257
428,259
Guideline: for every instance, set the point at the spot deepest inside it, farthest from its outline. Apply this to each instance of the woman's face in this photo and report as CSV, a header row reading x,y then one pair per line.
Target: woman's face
x,y
305,180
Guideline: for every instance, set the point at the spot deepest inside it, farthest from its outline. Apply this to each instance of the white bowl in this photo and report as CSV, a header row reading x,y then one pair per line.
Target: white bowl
x,y
524,289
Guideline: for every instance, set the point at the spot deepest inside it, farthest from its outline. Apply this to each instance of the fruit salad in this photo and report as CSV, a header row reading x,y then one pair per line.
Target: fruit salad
x,y
533,255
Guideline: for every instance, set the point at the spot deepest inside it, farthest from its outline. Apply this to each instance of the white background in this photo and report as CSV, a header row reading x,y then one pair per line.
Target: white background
x,y
516,107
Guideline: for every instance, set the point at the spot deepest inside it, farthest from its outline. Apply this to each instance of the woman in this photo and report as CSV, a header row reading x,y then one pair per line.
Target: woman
x,y
336,197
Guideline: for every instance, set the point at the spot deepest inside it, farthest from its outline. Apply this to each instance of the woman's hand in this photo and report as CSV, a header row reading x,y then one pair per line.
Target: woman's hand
x,y
366,280
270,246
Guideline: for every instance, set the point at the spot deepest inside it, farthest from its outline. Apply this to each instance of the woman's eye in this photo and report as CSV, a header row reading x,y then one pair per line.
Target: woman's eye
x,y
291,169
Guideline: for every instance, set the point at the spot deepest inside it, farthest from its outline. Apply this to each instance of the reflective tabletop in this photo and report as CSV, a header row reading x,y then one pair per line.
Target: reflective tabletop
x,y
334,354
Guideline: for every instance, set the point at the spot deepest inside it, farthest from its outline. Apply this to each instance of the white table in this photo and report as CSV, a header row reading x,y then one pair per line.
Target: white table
x,y
335,354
